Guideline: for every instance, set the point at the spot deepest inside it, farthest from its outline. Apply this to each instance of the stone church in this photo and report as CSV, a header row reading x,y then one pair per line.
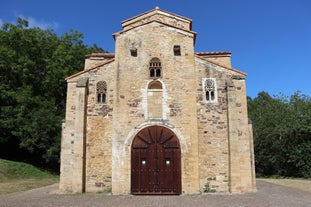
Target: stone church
x,y
156,117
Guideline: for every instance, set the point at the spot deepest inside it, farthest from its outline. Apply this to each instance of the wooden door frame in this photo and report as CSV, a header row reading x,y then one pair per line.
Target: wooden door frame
x,y
169,143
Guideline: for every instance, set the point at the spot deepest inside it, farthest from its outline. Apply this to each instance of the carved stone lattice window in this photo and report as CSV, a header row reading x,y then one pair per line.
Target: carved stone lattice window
x,y
101,91
210,89
155,68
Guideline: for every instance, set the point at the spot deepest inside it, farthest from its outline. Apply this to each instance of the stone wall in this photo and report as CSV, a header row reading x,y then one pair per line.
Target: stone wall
x,y
178,103
213,132
99,131
221,58
96,59
225,141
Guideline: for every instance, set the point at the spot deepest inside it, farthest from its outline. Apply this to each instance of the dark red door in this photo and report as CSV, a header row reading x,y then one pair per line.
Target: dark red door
x,y
155,162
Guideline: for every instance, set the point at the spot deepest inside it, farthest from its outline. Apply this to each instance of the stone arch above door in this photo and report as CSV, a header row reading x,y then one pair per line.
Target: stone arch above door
x,y
131,135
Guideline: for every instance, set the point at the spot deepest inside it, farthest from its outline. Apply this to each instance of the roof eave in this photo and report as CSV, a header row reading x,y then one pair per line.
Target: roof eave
x,y
85,71
123,31
223,66
158,9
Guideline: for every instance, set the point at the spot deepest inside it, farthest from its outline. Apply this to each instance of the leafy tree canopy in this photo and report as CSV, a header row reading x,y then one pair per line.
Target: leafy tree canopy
x,y
33,65
282,134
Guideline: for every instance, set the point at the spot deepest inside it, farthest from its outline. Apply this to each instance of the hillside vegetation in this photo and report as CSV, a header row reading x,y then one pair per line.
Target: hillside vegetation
x,y
33,65
18,176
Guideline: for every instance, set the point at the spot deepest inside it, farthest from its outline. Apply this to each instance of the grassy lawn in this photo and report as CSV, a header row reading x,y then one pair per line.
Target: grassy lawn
x,y
18,177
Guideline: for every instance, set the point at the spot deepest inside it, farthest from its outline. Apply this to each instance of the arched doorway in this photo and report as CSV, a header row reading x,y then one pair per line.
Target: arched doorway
x,y
155,162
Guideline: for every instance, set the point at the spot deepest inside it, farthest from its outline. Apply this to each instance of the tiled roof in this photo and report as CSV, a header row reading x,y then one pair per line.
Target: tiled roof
x,y
213,53
105,55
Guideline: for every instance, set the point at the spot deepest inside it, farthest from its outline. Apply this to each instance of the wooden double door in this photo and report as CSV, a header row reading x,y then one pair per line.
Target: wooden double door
x,y
155,162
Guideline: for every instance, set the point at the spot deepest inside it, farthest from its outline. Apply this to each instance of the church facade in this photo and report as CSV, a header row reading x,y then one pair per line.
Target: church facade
x,y
156,117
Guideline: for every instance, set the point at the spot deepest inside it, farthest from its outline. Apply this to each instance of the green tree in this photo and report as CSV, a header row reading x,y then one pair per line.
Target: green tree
x,y
282,135
33,66
300,154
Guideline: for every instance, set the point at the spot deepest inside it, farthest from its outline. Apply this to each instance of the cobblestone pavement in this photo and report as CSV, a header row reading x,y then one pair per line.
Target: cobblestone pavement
x,y
268,195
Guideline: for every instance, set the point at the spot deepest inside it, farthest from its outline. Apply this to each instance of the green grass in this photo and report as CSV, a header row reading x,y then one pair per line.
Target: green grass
x,y
18,176
19,170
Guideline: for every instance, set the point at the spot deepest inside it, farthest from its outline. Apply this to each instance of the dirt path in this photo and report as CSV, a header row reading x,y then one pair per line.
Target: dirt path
x,y
304,185
19,185
268,195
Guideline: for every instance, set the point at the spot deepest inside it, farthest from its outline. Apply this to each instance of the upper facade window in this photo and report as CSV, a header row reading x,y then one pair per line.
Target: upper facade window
x,y
155,68
177,51
101,91
210,90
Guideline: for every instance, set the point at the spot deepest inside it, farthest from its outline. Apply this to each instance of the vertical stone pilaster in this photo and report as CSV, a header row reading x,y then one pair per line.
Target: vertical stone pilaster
x,y
241,158
234,165
78,175
252,155
245,139
65,184
118,182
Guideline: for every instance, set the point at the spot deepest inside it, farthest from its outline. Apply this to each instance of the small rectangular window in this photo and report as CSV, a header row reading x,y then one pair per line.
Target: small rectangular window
x,y
133,52
177,51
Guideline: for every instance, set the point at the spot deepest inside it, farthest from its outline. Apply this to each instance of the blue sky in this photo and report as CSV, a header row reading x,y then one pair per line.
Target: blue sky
x,y
270,40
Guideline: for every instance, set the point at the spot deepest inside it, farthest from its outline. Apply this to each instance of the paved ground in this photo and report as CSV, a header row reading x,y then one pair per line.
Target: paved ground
x,y
268,195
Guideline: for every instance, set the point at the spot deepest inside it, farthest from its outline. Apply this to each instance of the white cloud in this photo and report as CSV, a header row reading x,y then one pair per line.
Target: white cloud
x,y
39,23
1,22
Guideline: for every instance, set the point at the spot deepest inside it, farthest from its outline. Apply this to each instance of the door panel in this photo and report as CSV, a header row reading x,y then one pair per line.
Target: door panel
x,y
155,165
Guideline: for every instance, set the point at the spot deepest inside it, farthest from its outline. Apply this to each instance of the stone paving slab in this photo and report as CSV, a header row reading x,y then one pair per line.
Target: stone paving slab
x,y
268,195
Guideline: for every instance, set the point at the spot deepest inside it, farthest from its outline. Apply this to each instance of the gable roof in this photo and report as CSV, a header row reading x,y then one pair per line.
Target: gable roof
x,y
154,11
159,16
85,71
123,31
198,55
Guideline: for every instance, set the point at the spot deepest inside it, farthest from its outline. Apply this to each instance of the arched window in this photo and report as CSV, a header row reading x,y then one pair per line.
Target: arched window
x,y
209,85
155,68
155,85
101,91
